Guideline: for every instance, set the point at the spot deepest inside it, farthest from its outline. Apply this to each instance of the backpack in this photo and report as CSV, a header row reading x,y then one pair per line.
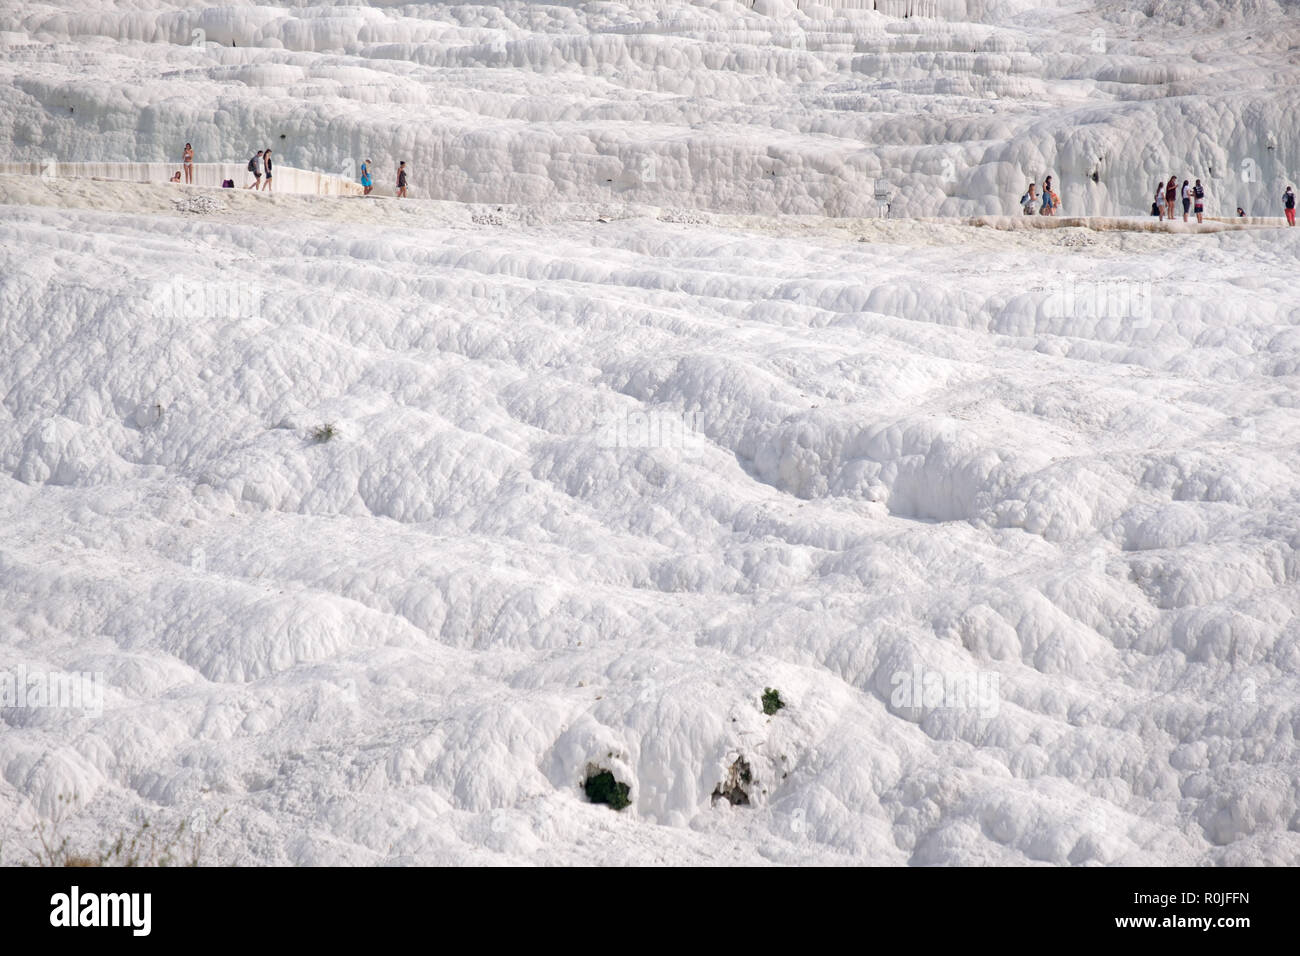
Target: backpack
x,y
1198,192
1155,210
252,165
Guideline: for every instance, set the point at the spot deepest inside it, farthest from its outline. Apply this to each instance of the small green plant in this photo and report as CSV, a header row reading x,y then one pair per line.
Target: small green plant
x,y
601,787
324,433
772,701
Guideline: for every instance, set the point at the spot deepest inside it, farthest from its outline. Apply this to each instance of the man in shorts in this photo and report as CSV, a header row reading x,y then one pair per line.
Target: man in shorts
x,y
255,167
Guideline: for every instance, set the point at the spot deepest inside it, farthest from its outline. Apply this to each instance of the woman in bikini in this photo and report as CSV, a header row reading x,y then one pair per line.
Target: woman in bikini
x,y
189,164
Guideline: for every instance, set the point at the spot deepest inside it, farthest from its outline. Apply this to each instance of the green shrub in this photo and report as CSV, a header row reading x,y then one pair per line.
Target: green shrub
x,y
323,433
772,701
601,787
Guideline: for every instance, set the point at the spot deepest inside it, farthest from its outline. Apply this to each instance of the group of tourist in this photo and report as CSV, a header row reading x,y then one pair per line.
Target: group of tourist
x,y
1165,205
367,182
1048,205
262,168
1167,194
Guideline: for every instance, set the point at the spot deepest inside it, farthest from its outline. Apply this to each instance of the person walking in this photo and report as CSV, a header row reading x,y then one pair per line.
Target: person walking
x,y
1198,201
266,185
188,160
1171,195
401,180
1288,205
1029,201
366,184
255,167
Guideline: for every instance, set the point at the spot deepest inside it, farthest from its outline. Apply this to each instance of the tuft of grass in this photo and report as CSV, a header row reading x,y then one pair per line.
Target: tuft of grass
x,y
323,433
601,787
148,846
772,701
